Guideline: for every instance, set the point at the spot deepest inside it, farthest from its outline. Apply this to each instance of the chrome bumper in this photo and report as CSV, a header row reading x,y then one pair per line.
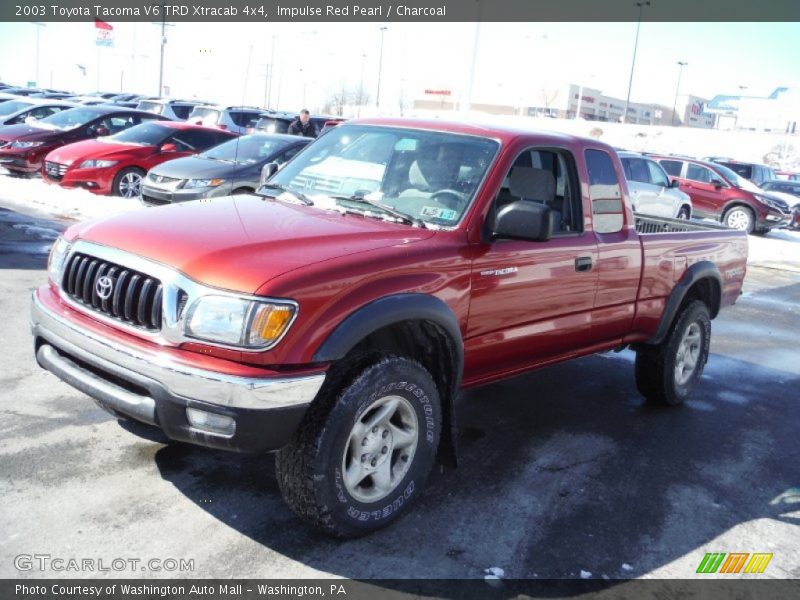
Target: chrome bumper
x,y
64,342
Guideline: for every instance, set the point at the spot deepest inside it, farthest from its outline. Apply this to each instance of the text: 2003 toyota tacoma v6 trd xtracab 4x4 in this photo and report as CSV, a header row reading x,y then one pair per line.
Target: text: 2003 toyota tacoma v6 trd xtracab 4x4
x,y
334,316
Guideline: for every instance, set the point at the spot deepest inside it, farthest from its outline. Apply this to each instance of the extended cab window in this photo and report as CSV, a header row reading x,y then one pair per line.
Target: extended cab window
x,y
672,167
604,190
548,177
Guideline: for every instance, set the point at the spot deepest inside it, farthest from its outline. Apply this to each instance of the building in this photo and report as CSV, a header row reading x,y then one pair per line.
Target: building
x,y
777,113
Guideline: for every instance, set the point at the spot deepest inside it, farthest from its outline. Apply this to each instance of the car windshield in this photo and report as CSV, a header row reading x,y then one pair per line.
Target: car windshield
x,y
246,150
740,169
7,108
153,107
737,179
68,119
146,134
417,175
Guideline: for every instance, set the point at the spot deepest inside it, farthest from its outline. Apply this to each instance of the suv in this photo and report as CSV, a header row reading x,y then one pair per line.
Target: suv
x,y
755,172
177,110
652,192
789,191
719,193
238,119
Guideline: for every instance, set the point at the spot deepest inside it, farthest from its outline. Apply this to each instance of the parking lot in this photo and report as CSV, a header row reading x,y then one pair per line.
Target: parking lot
x,y
565,473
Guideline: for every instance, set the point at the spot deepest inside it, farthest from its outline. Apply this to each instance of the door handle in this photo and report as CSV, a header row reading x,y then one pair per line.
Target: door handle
x,y
583,263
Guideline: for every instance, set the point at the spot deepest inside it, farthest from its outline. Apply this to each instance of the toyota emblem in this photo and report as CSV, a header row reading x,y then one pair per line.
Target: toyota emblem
x,y
104,286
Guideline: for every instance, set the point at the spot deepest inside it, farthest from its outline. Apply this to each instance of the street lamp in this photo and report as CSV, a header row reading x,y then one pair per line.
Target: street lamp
x,y
380,68
361,99
677,87
641,6
38,29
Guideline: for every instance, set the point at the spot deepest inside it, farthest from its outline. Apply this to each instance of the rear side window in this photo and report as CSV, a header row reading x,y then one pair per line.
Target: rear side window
x,y
604,192
672,167
244,118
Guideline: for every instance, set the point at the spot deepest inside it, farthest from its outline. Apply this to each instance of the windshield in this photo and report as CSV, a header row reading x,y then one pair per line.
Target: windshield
x,y
246,150
153,107
146,134
427,175
737,179
7,108
68,119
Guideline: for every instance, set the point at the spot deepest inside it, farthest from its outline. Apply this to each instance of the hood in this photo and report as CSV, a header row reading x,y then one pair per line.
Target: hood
x,y
790,199
194,167
26,132
96,149
241,242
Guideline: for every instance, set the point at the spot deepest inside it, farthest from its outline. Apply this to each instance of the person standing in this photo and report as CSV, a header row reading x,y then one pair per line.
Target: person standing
x,y
303,126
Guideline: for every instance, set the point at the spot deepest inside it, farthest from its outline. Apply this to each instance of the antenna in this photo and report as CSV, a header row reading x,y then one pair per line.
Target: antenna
x,y
244,95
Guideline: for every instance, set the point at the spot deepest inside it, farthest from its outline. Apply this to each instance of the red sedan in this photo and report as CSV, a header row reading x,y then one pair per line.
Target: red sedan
x,y
117,164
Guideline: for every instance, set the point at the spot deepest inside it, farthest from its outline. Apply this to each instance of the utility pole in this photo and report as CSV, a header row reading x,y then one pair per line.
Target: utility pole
x,y
641,6
380,68
361,83
39,26
677,88
271,72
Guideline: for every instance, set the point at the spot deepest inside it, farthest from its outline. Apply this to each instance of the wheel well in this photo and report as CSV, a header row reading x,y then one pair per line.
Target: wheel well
x,y
243,189
706,290
686,206
429,344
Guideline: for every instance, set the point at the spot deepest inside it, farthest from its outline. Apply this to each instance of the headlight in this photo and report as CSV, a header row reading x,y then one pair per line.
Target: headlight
x,y
97,164
238,321
26,144
55,264
201,183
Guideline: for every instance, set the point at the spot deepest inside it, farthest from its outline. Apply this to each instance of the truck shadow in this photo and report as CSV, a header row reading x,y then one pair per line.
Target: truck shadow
x,y
25,241
562,471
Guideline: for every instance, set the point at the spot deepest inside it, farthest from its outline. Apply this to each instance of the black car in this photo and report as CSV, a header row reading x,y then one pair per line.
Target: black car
x,y
787,191
755,172
233,167
23,147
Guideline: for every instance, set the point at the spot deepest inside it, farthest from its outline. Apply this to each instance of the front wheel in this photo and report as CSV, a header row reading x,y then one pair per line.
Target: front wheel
x,y
364,449
667,372
741,218
128,183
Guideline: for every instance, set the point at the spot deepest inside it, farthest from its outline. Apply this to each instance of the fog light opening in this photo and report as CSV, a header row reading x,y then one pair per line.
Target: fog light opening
x,y
211,422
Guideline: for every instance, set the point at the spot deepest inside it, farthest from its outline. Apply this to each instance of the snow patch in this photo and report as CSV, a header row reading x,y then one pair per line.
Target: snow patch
x,y
626,567
585,574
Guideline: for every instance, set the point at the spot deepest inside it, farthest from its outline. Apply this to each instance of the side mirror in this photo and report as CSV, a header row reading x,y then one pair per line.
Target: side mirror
x,y
267,171
674,183
522,220
169,148
717,183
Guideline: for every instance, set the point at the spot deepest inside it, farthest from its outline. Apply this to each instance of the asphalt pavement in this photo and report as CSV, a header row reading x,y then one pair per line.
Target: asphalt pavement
x,y
565,472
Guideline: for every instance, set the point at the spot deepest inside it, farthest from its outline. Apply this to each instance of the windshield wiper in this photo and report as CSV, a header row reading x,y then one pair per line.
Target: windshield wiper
x,y
390,210
299,196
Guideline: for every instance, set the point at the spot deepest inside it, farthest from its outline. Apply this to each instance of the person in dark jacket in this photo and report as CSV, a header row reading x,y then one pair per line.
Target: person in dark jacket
x,y
303,126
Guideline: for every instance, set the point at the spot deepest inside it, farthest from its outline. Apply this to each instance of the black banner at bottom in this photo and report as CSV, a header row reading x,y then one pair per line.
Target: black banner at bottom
x,y
280,589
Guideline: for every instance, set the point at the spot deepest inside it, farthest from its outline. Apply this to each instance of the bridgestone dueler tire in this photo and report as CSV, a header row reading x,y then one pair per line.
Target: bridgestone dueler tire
x,y
655,365
309,468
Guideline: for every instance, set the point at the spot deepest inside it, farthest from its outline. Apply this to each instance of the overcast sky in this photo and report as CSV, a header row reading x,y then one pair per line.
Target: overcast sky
x,y
515,60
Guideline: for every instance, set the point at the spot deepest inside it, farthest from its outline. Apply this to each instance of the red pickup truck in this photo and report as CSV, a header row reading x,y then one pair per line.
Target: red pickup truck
x,y
334,316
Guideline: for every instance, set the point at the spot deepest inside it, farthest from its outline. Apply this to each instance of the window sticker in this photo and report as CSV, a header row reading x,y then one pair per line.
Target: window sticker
x,y
445,214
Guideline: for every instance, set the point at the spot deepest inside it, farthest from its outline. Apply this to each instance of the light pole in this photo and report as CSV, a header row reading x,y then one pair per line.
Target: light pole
x,y
38,29
380,68
269,75
641,6
681,64
361,84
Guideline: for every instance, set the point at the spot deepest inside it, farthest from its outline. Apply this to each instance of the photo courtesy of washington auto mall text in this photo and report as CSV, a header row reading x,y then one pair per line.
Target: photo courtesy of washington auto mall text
x,y
469,299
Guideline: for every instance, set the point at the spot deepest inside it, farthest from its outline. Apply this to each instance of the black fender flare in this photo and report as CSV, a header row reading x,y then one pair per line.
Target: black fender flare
x,y
700,270
398,308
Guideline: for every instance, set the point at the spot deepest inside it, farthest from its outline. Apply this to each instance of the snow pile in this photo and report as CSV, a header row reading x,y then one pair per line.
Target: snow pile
x,y
34,195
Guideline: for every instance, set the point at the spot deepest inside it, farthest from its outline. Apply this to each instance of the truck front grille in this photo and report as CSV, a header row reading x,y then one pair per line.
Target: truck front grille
x,y
123,294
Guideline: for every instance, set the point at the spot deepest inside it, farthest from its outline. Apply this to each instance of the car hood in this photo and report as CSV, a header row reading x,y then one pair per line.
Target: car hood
x,y
789,199
26,132
194,167
242,242
96,149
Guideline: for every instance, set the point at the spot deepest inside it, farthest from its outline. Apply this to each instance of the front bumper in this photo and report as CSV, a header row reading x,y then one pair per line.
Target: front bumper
x,y
155,196
23,161
155,390
772,218
97,181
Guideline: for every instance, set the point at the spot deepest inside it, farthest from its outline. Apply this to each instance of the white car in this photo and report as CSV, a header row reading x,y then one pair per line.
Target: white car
x,y
652,193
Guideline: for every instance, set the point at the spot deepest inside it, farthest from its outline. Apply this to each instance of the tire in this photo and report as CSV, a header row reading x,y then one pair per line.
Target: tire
x,y
326,472
128,182
741,218
684,213
658,367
